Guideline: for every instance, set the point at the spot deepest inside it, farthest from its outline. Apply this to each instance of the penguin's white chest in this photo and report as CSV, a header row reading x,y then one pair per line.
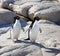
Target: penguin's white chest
x,y
17,26
34,32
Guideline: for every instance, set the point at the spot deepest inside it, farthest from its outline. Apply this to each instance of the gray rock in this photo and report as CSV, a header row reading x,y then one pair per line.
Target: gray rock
x,y
20,2
5,3
23,9
42,46
50,34
6,16
38,7
46,52
58,54
51,13
48,38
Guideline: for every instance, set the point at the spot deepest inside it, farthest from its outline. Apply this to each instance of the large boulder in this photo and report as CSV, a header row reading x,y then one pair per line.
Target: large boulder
x,y
19,2
49,35
0,3
6,16
5,3
16,3
23,9
58,54
51,13
40,6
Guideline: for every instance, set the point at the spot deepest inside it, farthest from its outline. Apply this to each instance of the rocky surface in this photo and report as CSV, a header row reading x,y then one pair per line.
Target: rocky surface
x,y
6,16
42,9
47,42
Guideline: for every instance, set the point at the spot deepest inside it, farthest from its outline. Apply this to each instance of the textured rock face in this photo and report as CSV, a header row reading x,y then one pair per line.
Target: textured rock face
x,y
50,13
47,42
58,54
45,11
0,3
18,2
6,16
50,34
33,8
22,9
5,3
40,7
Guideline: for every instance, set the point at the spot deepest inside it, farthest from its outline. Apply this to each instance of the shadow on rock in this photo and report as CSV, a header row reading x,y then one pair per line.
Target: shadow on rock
x,y
53,50
32,43
50,50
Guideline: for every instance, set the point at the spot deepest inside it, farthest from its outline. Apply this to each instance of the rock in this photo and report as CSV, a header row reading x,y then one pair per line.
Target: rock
x,y
19,2
50,32
25,51
7,49
50,42
5,3
35,53
47,42
2,31
51,13
49,35
58,0
0,4
38,7
45,52
58,54
6,16
23,9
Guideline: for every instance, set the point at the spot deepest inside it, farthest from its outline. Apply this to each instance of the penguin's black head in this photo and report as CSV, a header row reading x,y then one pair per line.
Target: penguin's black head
x,y
16,17
36,18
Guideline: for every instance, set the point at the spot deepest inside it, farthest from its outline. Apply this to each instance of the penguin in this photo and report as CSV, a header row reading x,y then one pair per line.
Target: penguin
x,y
16,27
33,30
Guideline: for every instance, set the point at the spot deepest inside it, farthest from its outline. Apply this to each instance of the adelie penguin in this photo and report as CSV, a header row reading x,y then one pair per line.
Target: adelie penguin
x,y
33,30
16,28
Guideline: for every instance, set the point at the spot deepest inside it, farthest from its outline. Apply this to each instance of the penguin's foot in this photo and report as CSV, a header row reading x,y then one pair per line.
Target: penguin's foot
x,y
27,39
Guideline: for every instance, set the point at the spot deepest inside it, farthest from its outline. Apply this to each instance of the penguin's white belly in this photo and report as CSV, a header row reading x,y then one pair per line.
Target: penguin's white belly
x,y
15,33
34,31
34,34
